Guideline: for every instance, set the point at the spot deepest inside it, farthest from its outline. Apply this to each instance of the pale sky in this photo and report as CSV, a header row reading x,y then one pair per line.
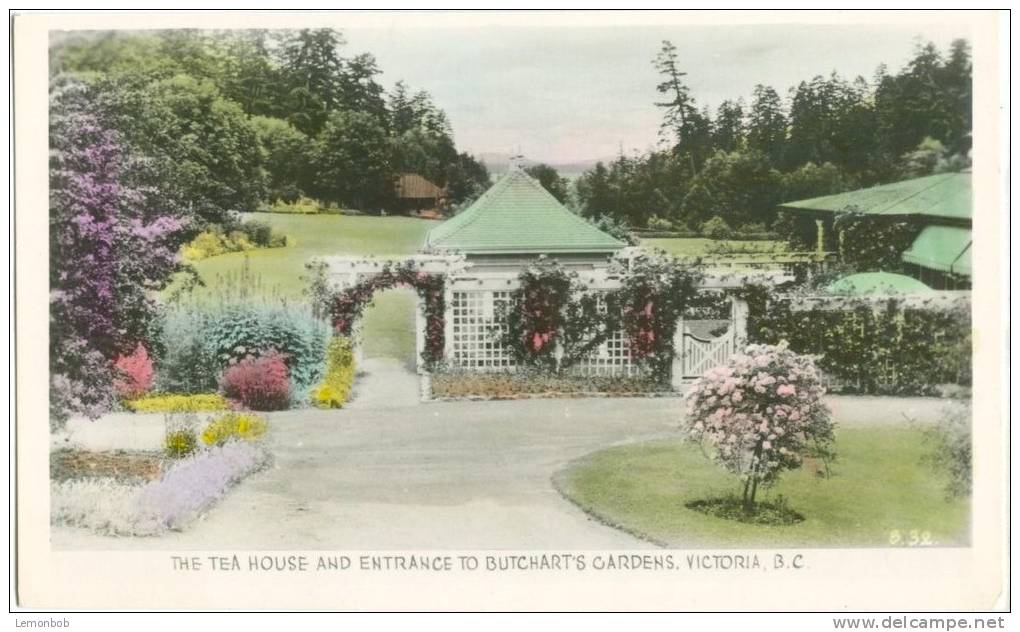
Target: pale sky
x,y
566,94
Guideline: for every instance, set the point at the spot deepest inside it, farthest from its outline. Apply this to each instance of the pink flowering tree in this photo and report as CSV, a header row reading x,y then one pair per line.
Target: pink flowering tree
x,y
759,414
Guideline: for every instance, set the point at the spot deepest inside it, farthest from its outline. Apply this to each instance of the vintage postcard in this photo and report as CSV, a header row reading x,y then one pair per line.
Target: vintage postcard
x,y
511,311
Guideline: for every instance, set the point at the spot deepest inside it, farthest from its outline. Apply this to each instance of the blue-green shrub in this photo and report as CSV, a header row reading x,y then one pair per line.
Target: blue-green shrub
x,y
186,363
201,341
242,330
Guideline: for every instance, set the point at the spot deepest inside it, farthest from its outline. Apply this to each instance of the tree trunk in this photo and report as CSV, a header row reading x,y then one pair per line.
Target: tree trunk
x,y
751,484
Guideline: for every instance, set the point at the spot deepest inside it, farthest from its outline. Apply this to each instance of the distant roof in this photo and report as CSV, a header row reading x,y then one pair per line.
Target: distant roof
x,y
944,195
943,248
517,215
412,185
877,283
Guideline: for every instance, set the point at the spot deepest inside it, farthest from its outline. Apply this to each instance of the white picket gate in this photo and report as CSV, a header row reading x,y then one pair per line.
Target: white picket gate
x,y
700,352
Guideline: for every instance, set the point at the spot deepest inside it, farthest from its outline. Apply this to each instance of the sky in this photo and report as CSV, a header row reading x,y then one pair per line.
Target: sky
x,y
564,94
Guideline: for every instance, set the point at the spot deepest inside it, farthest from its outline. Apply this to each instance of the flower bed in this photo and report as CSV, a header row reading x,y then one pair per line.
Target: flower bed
x,y
178,403
529,383
246,236
234,426
336,385
203,344
185,491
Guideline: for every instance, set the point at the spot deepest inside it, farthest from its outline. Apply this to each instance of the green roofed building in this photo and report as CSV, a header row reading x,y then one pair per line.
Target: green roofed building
x,y
517,220
939,205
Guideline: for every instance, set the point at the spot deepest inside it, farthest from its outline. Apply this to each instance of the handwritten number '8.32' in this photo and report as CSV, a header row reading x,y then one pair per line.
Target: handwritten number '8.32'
x,y
913,537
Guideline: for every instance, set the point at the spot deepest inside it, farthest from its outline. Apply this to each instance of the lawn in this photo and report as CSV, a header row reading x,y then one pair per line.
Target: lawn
x,y
389,324
878,486
700,246
276,273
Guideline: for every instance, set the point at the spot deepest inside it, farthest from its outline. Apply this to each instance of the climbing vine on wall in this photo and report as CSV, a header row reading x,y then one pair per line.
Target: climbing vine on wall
x,y
870,243
554,320
898,345
535,321
655,292
346,306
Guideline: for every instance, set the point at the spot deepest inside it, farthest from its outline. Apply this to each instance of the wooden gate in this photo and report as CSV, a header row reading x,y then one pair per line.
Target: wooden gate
x,y
700,350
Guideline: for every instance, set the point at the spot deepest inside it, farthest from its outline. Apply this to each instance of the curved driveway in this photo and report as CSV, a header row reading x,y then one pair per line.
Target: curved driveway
x,y
402,475
464,475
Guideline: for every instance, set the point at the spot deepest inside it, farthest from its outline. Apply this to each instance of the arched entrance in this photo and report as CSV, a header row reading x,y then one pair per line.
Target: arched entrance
x,y
357,281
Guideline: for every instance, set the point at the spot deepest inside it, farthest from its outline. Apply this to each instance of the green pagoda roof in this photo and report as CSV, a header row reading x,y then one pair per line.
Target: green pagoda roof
x,y
944,195
517,215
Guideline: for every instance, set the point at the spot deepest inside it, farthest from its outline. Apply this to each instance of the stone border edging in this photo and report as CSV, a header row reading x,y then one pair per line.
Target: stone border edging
x,y
555,395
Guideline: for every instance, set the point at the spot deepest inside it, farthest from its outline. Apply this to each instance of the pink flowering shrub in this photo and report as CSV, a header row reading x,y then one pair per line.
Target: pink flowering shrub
x,y
259,383
761,413
135,373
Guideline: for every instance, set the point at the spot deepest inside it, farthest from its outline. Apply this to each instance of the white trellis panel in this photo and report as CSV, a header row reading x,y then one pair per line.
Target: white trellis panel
x,y
475,331
475,343
611,358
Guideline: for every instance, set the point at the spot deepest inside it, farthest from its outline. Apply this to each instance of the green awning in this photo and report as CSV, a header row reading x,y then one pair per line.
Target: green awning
x,y
946,196
877,283
943,248
962,265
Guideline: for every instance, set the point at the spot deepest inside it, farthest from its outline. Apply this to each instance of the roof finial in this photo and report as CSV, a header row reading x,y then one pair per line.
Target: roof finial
x,y
517,161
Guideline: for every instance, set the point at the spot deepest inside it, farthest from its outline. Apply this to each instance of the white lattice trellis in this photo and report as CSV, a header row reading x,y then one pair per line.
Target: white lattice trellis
x,y
476,331
473,297
476,343
612,358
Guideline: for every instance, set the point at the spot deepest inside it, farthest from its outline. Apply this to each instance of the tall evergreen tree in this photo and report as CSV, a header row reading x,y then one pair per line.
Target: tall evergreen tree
x,y
680,119
250,77
728,130
551,180
766,126
353,162
359,89
312,67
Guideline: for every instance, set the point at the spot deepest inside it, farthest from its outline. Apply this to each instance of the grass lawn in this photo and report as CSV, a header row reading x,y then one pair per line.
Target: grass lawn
x,y
389,324
699,246
878,486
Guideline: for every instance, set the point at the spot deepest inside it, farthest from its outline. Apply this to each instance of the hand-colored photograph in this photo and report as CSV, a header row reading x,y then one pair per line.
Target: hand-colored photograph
x,y
511,287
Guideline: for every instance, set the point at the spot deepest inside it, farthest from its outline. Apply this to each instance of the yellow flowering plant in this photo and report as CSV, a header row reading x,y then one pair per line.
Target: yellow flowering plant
x,y
239,425
178,403
335,388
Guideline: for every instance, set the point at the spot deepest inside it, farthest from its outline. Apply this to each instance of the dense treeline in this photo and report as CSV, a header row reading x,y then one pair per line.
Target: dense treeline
x,y
244,118
158,137
829,135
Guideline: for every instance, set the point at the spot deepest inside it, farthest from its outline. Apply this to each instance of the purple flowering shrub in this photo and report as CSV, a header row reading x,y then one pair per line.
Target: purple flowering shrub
x,y
112,247
761,413
191,486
